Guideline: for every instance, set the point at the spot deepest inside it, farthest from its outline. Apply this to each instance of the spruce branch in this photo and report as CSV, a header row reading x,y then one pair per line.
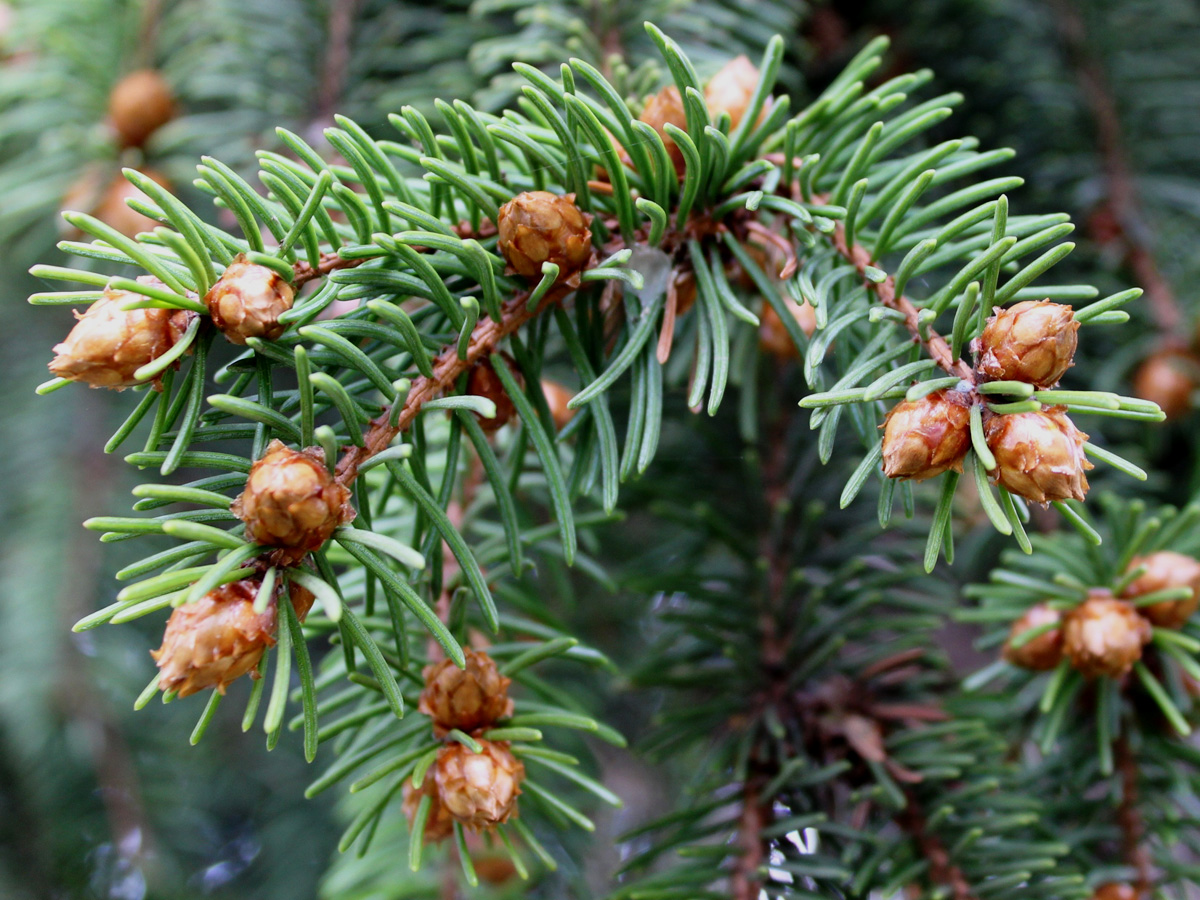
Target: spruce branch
x,y
1129,817
1123,199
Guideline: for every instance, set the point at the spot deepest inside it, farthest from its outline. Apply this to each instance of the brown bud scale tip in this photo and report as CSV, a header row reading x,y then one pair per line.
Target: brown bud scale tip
x,y
731,89
479,789
439,823
926,437
1104,636
1039,455
1041,653
537,227
1166,569
291,501
248,300
484,382
1033,341
467,699
219,638
666,108
108,345
773,336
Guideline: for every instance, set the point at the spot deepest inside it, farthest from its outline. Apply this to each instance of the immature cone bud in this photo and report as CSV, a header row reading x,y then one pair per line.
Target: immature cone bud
x,y
1167,379
557,398
140,104
439,824
773,336
923,438
219,638
248,300
666,108
1115,890
731,88
291,501
1033,341
538,227
484,382
466,699
1166,569
103,194
1041,653
1104,636
108,345
479,789
1039,455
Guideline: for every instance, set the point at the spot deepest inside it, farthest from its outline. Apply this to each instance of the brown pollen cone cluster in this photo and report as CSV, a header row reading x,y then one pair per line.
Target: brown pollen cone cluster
x,y
484,382
140,104
439,823
1164,570
479,789
1033,341
926,437
467,699
1039,455
1104,636
248,300
108,345
219,638
538,227
1040,653
291,502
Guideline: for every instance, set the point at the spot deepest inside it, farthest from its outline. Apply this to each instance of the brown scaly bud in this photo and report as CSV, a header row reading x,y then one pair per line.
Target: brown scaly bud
x,y
479,789
1166,569
219,638
538,227
140,104
773,337
466,699
108,344
1115,890
248,300
439,824
1033,341
1168,379
1041,653
484,382
731,88
1039,455
666,108
926,437
557,398
292,502
1104,636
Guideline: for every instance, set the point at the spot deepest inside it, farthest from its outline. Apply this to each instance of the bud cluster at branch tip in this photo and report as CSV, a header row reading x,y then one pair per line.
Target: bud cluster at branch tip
x,y
1033,341
1039,455
538,227
219,638
477,789
248,300
108,345
291,502
138,105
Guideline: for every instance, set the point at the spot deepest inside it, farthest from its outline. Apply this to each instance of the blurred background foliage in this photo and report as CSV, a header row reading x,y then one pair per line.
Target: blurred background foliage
x,y
1099,97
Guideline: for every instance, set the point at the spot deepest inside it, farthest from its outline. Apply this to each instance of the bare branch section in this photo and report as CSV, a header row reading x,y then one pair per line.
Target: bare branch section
x,y
446,370
1129,818
885,293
